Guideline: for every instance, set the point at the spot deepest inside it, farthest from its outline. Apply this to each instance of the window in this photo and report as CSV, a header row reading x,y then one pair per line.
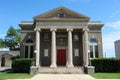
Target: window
x,y
93,48
29,41
76,37
46,52
61,15
76,51
29,49
93,40
46,36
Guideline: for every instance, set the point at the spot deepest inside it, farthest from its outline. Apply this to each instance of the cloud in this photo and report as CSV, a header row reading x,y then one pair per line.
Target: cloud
x,y
115,14
2,35
114,25
111,37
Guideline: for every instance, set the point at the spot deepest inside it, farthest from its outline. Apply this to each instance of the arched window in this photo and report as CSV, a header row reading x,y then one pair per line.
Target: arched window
x,y
93,40
29,48
93,48
29,41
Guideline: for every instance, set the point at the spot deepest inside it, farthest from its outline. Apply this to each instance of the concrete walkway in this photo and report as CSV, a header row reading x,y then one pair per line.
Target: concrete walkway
x,y
62,77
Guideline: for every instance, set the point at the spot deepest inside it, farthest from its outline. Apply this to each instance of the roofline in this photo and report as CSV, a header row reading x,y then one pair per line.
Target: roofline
x,y
117,41
24,23
95,23
59,8
60,20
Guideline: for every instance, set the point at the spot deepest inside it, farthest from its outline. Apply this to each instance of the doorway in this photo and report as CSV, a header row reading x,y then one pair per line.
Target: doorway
x,y
61,57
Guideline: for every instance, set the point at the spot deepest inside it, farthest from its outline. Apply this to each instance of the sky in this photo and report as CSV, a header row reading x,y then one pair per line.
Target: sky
x,y
12,12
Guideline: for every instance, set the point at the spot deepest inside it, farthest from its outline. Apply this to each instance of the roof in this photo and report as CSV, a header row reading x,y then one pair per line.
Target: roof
x,y
117,41
54,14
4,49
9,54
95,23
28,23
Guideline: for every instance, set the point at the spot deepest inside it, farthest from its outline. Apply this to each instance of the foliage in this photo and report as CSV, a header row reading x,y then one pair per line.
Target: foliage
x,y
106,64
15,57
106,75
2,44
21,65
12,38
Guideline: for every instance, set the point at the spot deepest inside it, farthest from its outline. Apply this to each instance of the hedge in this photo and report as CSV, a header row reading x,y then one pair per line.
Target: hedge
x,y
106,64
21,65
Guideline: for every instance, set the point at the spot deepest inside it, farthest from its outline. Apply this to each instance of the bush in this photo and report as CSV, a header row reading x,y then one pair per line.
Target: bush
x,y
21,65
106,64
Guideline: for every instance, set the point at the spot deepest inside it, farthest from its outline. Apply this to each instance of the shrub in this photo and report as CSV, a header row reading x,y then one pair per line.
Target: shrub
x,y
21,65
106,64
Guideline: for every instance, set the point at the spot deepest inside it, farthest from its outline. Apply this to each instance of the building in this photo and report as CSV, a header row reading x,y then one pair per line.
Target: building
x,y
61,37
117,48
6,57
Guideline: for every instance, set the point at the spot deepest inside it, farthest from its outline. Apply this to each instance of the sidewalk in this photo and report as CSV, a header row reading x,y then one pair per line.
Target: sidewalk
x,y
62,77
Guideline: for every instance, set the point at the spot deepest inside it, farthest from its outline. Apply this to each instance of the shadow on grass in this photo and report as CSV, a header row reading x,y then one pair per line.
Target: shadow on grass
x,y
11,71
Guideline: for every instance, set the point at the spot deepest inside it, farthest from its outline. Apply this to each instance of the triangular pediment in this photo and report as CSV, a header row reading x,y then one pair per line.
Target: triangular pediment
x,y
61,13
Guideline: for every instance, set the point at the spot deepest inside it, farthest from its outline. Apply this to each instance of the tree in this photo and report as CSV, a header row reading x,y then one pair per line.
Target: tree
x,y
12,38
2,43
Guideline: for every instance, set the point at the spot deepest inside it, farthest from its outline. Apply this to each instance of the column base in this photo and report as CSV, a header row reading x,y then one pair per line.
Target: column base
x,y
34,69
53,66
89,69
70,65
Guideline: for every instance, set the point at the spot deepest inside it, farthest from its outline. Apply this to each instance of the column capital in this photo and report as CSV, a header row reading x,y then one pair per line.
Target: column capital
x,y
37,29
53,29
69,29
85,29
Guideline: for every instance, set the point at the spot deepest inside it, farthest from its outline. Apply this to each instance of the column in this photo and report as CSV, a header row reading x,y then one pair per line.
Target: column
x,y
93,51
37,47
86,46
53,48
70,50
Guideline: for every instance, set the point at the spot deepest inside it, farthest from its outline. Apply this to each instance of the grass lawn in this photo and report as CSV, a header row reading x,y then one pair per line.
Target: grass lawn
x,y
5,75
106,75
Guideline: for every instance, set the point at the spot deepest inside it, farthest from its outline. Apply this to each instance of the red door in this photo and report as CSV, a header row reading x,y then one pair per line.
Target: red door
x,y
61,57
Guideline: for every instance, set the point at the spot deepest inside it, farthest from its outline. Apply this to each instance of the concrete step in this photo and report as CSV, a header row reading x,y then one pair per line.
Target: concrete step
x,y
61,70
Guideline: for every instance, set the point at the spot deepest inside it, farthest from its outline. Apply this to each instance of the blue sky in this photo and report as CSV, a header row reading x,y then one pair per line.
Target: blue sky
x,y
12,12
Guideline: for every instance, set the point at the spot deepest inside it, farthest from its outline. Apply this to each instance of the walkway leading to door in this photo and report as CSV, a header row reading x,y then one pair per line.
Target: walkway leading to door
x,y
62,77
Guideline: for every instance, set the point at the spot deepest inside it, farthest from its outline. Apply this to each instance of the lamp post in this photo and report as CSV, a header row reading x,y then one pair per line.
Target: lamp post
x,y
35,51
89,58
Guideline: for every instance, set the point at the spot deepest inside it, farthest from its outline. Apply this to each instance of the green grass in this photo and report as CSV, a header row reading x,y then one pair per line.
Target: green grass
x,y
5,75
106,75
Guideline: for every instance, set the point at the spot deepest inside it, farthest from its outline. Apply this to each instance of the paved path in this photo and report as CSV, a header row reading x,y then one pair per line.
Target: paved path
x,y
63,77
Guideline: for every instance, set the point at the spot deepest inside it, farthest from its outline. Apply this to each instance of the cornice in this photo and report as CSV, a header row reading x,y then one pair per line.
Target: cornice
x,y
94,24
62,20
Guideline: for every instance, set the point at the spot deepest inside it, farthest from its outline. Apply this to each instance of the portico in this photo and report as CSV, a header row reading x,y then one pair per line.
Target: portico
x,y
68,49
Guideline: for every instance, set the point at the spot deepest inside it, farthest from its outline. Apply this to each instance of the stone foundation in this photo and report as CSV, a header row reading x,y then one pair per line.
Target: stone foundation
x,y
89,69
33,70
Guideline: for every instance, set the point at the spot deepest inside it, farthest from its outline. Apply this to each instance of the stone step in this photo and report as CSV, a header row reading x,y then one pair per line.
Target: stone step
x,y
61,70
